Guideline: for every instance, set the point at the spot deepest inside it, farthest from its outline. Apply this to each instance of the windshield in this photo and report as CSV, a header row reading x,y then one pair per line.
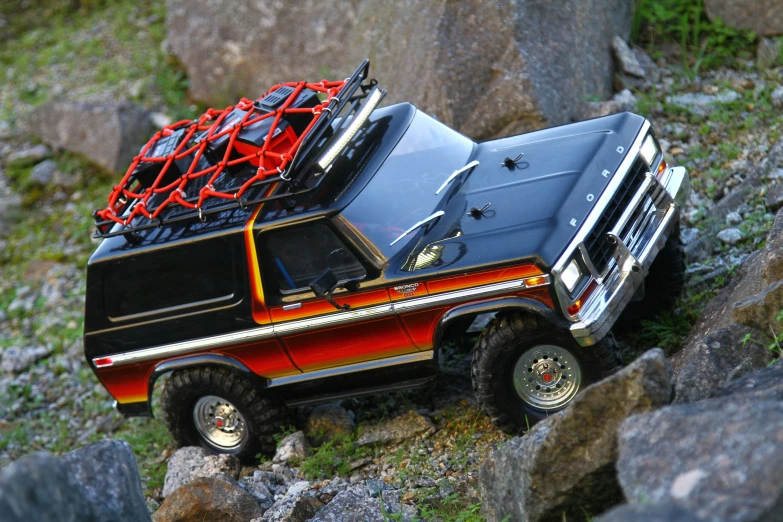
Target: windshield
x,y
402,192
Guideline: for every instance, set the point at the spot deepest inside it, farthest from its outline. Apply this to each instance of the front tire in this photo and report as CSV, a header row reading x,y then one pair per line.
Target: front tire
x,y
525,369
220,410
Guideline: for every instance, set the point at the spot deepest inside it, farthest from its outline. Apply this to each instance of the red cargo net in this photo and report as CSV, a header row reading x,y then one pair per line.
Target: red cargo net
x,y
269,162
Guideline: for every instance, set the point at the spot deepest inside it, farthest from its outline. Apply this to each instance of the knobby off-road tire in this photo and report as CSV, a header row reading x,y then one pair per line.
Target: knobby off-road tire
x,y
522,344
662,286
193,399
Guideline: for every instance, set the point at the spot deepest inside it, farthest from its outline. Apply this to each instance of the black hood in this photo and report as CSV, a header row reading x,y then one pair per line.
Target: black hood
x,y
534,209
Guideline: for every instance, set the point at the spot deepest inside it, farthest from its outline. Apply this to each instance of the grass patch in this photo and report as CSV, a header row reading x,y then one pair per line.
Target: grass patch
x,y
704,44
333,458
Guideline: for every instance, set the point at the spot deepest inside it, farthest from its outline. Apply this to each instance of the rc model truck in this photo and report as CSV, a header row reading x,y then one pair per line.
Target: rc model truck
x,y
310,246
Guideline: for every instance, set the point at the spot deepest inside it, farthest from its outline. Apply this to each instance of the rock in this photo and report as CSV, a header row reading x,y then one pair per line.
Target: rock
x,y
293,447
718,459
767,53
44,172
208,498
774,198
160,120
702,104
519,79
295,506
28,156
730,236
777,96
620,102
626,59
763,385
397,430
667,512
764,17
192,462
15,360
109,478
688,235
328,421
109,134
760,311
733,218
39,487
357,505
564,466
5,130
258,486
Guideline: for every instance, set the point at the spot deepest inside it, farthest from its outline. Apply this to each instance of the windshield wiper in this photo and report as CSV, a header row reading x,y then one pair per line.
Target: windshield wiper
x,y
456,173
424,221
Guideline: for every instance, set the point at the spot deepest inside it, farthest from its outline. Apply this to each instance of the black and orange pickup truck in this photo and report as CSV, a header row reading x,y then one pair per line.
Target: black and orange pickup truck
x,y
311,245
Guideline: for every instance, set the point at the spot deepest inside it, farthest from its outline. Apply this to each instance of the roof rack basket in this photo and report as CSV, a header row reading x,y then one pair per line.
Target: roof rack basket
x,y
193,169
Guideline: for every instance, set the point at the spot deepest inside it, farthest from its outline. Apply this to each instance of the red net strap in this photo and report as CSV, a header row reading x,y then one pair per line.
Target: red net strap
x,y
211,121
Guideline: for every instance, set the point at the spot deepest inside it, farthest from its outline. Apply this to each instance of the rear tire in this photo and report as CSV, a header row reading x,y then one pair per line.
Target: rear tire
x,y
662,286
220,410
524,369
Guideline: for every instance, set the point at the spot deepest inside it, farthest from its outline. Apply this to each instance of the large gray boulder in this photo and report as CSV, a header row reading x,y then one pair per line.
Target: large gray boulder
x,y
764,17
108,134
485,68
747,307
565,464
357,505
719,459
99,482
109,479
39,487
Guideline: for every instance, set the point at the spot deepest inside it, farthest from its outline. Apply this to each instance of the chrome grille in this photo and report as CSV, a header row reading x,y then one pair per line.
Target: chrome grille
x,y
598,248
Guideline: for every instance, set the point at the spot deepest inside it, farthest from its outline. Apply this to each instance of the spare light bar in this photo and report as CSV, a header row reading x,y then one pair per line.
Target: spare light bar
x,y
369,105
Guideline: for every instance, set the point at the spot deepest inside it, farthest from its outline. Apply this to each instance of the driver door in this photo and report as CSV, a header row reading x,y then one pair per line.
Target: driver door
x,y
316,335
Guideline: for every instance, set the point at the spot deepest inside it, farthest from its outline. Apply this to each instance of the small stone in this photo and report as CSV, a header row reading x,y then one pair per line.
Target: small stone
x,y
702,104
777,97
44,172
774,198
293,447
160,120
328,421
192,462
767,53
733,218
5,130
626,58
15,360
29,156
409,496
689,235
397,430
730,236
676,151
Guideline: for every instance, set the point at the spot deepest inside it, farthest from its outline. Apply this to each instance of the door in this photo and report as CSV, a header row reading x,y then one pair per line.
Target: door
x,y
316,334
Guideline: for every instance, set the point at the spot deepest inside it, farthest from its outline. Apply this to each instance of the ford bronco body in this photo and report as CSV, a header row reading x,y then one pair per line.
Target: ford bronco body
x,y
310,246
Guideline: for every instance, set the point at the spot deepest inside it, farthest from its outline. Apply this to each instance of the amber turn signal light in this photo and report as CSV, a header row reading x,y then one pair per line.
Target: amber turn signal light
x,y
574,308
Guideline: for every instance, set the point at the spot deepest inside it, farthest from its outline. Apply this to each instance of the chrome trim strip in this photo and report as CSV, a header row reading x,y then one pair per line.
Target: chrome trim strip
x,y
188,346
353,368
303,325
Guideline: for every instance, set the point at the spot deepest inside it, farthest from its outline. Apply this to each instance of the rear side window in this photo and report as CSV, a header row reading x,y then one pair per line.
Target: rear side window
x,y
166,280
297,256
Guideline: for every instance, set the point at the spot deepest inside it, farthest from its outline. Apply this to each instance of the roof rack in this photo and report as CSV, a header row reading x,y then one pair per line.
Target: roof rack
x,y
195,169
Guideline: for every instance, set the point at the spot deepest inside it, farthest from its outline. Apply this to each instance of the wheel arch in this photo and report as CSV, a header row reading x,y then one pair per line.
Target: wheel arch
x,y
197,361
502,304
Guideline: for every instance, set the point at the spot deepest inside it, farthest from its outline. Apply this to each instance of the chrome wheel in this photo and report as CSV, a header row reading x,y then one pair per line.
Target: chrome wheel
x,y
547,377
219,423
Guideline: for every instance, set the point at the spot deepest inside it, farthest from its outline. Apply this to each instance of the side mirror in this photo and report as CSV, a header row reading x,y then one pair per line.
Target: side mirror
x,y
323,286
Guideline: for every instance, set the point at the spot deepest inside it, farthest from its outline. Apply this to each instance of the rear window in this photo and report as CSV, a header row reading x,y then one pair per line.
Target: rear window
x,y
168,280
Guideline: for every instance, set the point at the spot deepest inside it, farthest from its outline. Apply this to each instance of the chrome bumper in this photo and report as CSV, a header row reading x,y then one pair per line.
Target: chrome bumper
x,y
639,235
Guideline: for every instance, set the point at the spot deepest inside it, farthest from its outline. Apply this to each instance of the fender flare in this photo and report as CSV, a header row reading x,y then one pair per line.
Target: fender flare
x,y
192,361
496,305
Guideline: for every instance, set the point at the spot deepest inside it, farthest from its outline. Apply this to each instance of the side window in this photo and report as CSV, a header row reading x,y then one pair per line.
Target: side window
x,y
162,281
298,255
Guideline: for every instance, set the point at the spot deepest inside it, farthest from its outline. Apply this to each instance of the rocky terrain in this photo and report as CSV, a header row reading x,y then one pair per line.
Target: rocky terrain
x,y
689,430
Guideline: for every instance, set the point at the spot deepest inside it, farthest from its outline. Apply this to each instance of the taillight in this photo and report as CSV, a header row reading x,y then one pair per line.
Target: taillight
x,y
102,362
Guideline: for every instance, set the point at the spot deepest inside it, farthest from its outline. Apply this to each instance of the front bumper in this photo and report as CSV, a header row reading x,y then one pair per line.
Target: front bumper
x,y
639,235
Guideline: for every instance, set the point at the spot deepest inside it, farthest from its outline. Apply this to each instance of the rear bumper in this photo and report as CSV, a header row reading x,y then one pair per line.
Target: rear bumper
x,y
651,217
